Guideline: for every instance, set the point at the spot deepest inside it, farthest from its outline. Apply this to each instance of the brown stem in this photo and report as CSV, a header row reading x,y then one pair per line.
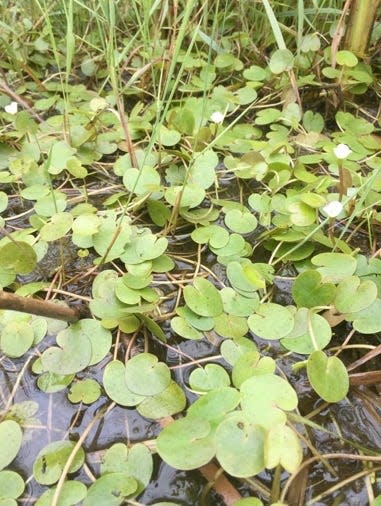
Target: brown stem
x,y
38,307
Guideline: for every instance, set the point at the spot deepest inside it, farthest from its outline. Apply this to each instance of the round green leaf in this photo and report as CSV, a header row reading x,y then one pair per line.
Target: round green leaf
x,y
10,441
73,355
16,338
271,321
48,205
236,304
86,391
189,195
282,446
114,383
111,490
203,298
302,215
367,321
239,446
11,484
214,405
328,376
217,236
86,225
145,375
203,323
136,462
210,377
309,291
251,364
145,180
49,382
50,461
346,58
202,172
185,329
19,256
168,137
265,397
334,267
230,326
240,222
232,350
170,401
310,332
281,60
353,295
186,443
99,337
58,226
71,493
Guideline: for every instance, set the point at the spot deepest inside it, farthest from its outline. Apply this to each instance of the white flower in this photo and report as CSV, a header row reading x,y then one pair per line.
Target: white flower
x,y
11,108
333,209
342,151
217,117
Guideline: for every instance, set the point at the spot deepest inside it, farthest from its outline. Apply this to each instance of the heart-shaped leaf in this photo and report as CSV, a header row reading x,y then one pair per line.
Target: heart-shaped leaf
x,y
282,446
230,326
18,256
16,338
271,321
309,291
10,441
135,461
236,304
203,323
186,443
145,375
367,321
353,295
202,172
58,226
242,222
71,493
145,180
114,382
208,378
240,446
111,489
265,397
217,236
334,267
50,461
185,329
73,355
167,403
11,486
310,332
251,364
232,350
214,405
328,376
86,391
203,298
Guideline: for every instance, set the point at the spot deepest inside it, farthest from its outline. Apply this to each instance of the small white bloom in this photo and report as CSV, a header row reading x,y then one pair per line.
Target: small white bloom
x,y
342,151
333,209
217,117
11,108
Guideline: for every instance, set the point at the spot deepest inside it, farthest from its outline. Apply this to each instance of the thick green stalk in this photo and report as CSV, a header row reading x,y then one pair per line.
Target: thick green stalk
x,y
361,20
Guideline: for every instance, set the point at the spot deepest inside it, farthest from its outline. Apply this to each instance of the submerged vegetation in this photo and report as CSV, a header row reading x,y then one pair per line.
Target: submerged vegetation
x,y
202,182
